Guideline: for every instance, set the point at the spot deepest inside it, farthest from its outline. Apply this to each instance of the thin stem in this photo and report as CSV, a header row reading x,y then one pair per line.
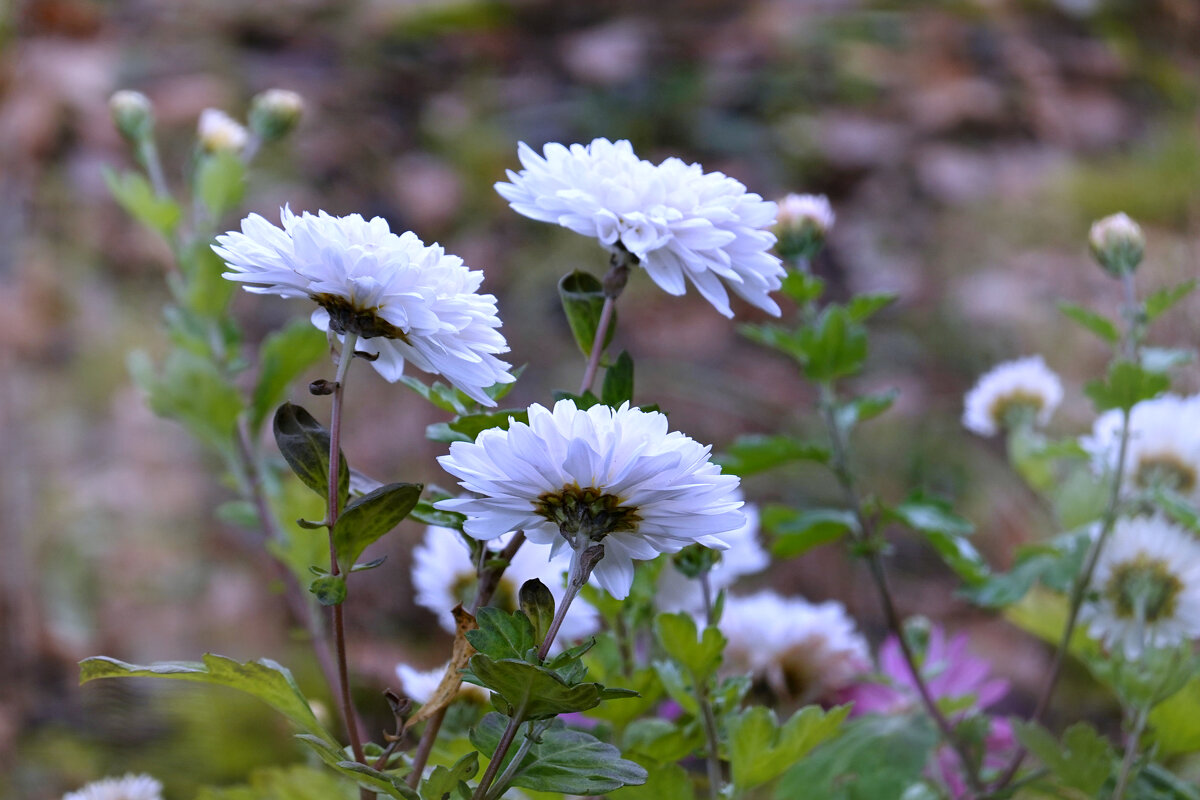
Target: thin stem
x,y
583,562
1131,751
865,534
339,623
706,595
514,763
593,364
486,584
506,740
712,756
148,154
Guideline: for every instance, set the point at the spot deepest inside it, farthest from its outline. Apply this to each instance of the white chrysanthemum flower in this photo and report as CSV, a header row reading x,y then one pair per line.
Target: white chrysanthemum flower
x,y
1163,448
420,685
801,650
219,132
130,787
572,478
1147,587
681,223
444,576
1025,385
745,556
405,301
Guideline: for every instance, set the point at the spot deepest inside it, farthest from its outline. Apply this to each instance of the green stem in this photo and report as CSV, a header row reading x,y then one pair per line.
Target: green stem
x,y
712,755
506,740
614,284
1131,751
583,561
514,763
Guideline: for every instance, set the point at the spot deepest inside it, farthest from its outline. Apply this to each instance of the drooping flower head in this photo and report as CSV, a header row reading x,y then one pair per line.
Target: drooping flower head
x,y
1163,448
573,478
680,223
405,301
130,787
802,650
444,576
1146,587
1025,386
745,556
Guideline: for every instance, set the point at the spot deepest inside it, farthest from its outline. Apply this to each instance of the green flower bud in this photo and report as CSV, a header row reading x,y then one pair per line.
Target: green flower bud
x,y
133,114
274,113
801,225
219,132
1117,244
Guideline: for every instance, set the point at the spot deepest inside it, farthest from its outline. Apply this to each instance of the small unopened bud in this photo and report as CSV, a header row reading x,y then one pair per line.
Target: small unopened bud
x,y
801,225
274,113
538,604
220,133
1117,244
133,114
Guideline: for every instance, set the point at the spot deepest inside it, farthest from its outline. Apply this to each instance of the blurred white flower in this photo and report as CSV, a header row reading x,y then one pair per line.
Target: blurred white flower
x,y
802,650
444,576
130,787
1163,448
573,478
806,211
745,556
1146,585
1025,385
404,300
681,223
219,132
275,112
133,114
419,686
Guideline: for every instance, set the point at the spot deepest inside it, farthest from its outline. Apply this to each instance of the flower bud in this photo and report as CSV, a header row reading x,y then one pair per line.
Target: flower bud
x,y
802,222
274,113
133,114
219,132
1117,244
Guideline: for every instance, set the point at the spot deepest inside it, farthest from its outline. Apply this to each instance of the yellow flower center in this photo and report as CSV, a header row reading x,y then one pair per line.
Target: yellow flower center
x,y
587,511
1143,589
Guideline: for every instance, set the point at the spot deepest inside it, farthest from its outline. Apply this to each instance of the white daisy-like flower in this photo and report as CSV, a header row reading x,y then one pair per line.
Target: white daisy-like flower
x,y
801,650
444,577
1163,448
573,478
219,132
745,556
420,685
1146,587
680,223
405,301
130,787
1025,385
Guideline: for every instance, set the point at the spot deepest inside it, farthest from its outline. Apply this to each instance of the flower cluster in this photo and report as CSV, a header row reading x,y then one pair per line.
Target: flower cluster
x,y
680,223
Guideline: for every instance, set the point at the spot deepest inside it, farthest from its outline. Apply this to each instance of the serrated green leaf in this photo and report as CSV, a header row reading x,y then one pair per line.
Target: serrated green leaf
x,y
1125,385
472,425
284,355
390,783
1082,761
263,678
135,194
861,409
662,740
760,749
190,389
797,531
834,346
582,296
330,590
220,181
873,757
365,519
1098,324
676,685
756,453
207,294
666,782
946,532
1162,300
802,287
563,760
531,691
699,653
863,306
443,782
618,382
501,634
790,343
304,443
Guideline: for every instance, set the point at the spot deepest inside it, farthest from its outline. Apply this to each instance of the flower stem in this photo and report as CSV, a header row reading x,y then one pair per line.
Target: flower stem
x,y
1131,751
583,562
614,284
514,763
506,740
339,624
712,756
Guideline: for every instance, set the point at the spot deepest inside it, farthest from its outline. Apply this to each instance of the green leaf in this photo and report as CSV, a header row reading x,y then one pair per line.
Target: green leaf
x,y
563,760
1163,299
1165,359
649,689
1125,385
190,389
618,382
1098,324
760,750
263,679
137,197
756,453
220,182
863,306
438,393
367,518
861,409
471,425
208,294
946,532
501,634
1083,760
666,782
538,606
676,685
284,355
304,443
443,782
294,782
874,757
662,740
582,296
390,783
424,512
699,653
1176,721
330,590
835,346
790,343
802,287
798,531
531,691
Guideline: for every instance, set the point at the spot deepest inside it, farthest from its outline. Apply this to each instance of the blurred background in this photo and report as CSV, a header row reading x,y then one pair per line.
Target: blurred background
x,y
966,146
